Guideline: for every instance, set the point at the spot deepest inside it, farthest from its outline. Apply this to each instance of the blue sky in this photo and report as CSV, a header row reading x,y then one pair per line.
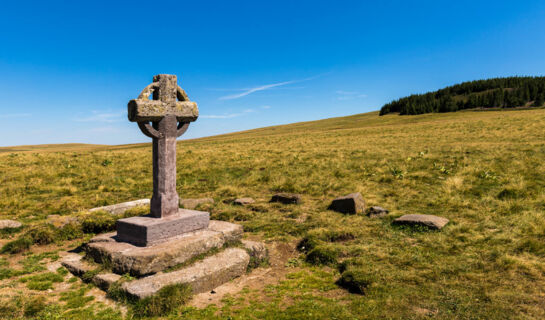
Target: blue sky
x,y
68,68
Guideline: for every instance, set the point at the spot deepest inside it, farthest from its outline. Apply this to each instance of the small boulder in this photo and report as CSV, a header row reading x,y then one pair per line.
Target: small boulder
x,y
10,224
243,201
426,220
191,204
286,198
351,204
376,211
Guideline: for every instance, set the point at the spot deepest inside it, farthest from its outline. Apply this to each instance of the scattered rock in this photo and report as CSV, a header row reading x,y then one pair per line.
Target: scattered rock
x,y
427,220
286,198
105,280
120,208
243,201
202,276
351,204
10,224
60,221
376,211
257,251
193,203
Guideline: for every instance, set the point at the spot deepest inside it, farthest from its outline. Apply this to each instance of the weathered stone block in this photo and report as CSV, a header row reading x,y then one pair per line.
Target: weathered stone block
x,y
148,230
202,276
76,265
105,280
139,261
351,204
426,220
286,198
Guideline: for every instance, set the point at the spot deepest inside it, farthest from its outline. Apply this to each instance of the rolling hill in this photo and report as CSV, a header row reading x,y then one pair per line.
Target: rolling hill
x,y
483,171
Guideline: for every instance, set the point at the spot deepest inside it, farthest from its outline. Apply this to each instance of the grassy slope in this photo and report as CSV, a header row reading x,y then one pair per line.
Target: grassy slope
x,y
482,170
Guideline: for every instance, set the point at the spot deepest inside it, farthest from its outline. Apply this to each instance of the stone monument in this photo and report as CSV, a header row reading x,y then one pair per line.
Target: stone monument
x,y
146,246
169,119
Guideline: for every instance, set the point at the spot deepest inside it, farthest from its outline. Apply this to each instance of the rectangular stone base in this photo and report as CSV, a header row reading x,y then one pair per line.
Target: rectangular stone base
x,y
148,230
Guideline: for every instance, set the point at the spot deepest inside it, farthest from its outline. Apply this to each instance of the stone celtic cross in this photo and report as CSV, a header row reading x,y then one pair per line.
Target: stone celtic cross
x,y
170,113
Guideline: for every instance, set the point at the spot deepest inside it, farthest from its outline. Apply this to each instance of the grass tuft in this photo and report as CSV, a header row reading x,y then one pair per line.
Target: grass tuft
x,y
164,302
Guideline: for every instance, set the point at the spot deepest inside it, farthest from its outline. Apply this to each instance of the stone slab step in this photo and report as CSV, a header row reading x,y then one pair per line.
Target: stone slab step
x,y
124,257
76,265
202,276
105,280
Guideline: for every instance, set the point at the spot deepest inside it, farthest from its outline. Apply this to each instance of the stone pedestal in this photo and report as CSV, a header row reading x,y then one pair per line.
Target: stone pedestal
x,y
148,230
202,259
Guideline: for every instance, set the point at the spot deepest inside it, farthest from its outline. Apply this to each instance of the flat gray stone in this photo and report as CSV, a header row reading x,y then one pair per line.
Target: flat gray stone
x,y
286,198
202,276
376,211
427,220
243,201
10,224
148,230
76,265
350,204
231,232
120,208
193,203
139,261
105,280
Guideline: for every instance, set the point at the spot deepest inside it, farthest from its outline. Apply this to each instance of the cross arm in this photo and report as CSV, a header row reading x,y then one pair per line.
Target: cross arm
x,y
142,110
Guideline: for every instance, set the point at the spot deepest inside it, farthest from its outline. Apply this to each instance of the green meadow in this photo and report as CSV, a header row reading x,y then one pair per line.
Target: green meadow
x,y
485,171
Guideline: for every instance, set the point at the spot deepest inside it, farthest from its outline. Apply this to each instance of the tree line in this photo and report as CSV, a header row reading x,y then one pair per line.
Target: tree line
x,y
509,92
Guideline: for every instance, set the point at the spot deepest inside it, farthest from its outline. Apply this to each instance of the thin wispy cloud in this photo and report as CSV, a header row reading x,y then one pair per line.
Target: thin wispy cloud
x,y
14,115
264,87
256,89
101,117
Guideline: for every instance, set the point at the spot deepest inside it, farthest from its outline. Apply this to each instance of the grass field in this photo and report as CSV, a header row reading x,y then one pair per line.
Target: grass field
x,y
485,171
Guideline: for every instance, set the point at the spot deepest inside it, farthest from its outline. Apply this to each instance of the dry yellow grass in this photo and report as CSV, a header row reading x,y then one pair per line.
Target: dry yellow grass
x,y
482,170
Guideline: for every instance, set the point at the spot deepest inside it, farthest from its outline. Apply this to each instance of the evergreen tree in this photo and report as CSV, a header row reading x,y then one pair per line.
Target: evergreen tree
x,y
490,93
539,100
